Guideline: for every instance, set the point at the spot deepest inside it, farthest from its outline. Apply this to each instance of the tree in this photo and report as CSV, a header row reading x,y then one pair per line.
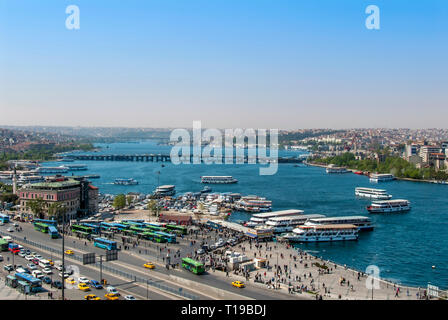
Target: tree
x,y
153,207
129,200
37,206
119,201
56,211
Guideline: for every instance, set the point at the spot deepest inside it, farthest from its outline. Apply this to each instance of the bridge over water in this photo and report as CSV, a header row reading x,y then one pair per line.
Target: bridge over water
x,y
167,158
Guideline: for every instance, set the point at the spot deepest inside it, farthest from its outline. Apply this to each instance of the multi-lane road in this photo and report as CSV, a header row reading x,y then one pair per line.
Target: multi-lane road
x,y
207,286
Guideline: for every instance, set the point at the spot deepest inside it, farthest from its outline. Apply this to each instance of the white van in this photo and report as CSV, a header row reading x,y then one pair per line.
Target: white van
x,y
43,263
37,274
7,238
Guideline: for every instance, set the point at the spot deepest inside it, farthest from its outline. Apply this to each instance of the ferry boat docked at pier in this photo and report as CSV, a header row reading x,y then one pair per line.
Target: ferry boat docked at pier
x,y
387,206
324,232
218,179
25,179
363,223
126,182
166,190
76,167
60,169
288,223
260,218
381,177
332,169
253,204
370,193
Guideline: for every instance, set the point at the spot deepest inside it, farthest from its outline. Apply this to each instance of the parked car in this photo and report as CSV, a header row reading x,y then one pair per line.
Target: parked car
x,y
31,266
56,284
8,267
1,258
22,254
10,230
66,275
200,251
111,296
112,290
37,274
46,280
96,284
47,271
83,280
29,257
83,287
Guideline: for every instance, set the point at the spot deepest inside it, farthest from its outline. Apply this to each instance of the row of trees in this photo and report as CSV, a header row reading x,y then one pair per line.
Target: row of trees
x,y
41,152
121,200
394,165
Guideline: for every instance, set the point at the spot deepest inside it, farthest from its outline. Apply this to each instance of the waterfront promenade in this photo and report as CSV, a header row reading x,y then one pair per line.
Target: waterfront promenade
x,y
319,276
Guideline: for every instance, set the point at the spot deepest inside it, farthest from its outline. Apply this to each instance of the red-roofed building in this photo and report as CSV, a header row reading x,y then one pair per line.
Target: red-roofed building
x,y
176,218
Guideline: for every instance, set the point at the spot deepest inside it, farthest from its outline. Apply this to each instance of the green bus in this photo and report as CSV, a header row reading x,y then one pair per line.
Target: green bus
x,y
82,230
3,245
42,227
177,229
156,228
137,229
153,237
193,266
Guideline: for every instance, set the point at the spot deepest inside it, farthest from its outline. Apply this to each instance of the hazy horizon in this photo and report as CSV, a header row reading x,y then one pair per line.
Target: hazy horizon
x,y
230,64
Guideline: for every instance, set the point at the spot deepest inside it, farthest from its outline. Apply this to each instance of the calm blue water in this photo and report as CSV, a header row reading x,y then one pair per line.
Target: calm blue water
x,y
404,246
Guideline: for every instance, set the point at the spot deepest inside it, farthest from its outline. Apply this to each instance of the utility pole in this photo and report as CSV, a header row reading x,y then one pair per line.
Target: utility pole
x,y
63,252
101,269
157,199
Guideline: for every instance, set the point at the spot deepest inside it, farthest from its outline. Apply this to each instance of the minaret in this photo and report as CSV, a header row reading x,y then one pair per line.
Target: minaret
x,y
14,181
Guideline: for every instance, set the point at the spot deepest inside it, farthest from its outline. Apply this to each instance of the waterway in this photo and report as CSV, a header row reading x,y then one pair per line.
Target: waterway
x,y
404,246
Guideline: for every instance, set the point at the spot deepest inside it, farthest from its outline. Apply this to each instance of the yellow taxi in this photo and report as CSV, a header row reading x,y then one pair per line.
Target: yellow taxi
x,y
149,265
51,262
111,296
83,287
91,297
238,284
70,280
70,252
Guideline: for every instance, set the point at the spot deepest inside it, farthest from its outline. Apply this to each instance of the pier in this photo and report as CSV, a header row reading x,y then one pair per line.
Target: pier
x,y
167,158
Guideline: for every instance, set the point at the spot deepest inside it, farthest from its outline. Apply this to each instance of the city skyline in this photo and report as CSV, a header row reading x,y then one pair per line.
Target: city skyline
x,y
229,64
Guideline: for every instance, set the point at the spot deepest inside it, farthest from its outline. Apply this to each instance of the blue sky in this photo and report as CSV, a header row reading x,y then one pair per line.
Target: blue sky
x,y
246,63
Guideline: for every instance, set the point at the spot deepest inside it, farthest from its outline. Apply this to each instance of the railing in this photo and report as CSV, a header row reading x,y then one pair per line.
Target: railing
x,y
113,270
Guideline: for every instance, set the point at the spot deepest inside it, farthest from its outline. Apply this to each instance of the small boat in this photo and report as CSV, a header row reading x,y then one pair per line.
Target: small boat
x,y
206,190
126,182
358,173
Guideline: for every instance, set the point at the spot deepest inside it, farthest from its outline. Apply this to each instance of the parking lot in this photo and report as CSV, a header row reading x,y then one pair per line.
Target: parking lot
x,y
77,286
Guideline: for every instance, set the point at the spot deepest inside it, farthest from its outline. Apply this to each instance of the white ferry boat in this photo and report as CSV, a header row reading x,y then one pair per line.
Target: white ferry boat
x,y
370,193
166,190
261,218
253,204
363,223
126,182
324,232
381,177
386,206
23,179
76,167
60,169
332,169
218,179
288,223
